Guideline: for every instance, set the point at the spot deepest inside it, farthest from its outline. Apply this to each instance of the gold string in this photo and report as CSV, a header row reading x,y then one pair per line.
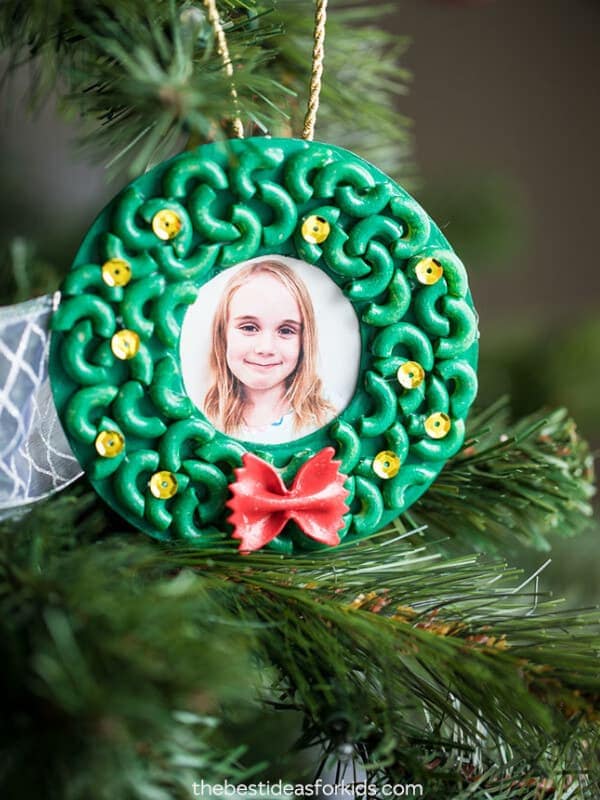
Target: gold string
x,y
317,70
223,51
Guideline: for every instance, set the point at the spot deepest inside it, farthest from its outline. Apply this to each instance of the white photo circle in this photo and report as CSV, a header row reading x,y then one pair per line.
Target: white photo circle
x,y
270,350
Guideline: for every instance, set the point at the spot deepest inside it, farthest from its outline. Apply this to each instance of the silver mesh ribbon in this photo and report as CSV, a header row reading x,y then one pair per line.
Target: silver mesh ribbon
x,y
35,457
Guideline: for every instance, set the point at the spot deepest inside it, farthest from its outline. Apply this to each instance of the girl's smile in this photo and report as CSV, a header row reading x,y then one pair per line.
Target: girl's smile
x,y
263,334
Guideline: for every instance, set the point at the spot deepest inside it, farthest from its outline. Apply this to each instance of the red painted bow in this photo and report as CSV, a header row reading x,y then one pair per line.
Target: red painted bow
x,y
262,504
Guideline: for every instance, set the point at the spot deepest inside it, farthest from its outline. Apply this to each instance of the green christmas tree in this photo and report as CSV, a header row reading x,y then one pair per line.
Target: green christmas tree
x,y
418,658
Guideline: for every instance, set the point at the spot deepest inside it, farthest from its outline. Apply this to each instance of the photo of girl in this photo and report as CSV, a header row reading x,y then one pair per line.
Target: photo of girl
x,y
263,361
270,350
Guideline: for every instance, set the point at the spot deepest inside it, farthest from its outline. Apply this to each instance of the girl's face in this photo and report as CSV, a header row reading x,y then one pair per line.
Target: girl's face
x,y
264,333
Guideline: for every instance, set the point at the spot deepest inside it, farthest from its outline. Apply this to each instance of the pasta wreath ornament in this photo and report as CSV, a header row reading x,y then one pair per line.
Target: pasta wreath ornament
x,y
168,464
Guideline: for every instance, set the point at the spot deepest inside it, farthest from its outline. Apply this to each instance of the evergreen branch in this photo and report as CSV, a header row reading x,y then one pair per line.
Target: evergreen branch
x,y
461,780
401,654
459,681
153,77
144,83
523,480
156,85
112,687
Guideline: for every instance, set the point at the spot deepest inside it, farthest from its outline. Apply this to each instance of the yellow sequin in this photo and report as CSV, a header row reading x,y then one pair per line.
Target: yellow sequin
x,y
109,443
166,224
410,374
125,344
116,272
163,485
386,464
315,230
437,425
429,271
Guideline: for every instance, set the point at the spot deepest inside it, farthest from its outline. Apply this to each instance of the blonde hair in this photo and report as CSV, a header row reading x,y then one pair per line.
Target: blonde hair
x,y
225,400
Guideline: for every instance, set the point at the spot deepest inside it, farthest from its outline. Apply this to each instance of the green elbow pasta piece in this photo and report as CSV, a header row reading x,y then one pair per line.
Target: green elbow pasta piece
x,y
408,336
137,466
215,485
99,469
219,450
441,449
384,402
85,306
74,349
167,392
415,425
126,408
363,204
189,168
204,220
180,243
464,389
83,406
157,513
285,214
371,506
141,264
350,487
87,277
332,175
194,267
135,304
411,399
104,356
395,306
157,510
183,513
415,224
397,440
173,443
364,468
299,168
454,271
167,322
437,395
382,269
338,260
426,312
343,532
375,227
348,445
463,328
285,547
124,222
242,178
246,246
394,490
289,470
141,366
307,250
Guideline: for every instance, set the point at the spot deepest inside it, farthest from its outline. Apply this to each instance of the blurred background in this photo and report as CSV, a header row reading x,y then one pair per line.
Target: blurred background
x,y
505,121
506,117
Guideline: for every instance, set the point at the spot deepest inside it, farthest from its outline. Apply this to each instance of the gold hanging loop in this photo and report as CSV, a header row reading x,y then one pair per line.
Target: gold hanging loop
x,y
223,51
318,57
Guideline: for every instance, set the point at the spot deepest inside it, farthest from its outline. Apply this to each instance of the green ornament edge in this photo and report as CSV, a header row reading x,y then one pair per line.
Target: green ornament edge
x,y
288,456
